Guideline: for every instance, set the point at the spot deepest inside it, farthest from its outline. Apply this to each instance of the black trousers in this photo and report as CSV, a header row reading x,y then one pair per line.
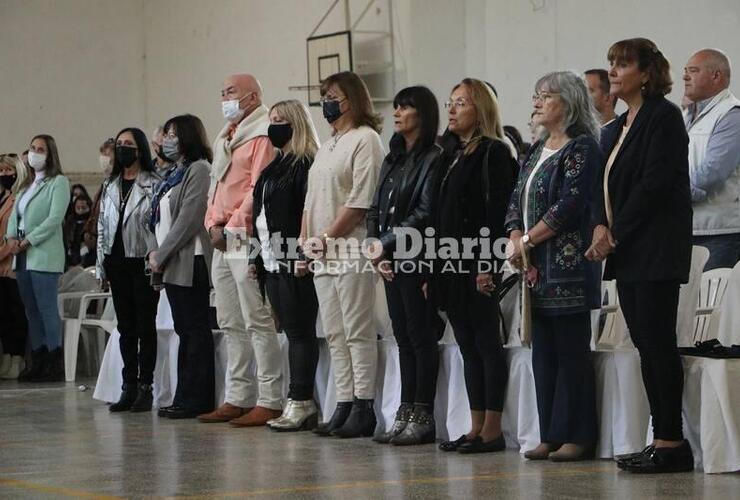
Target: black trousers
x,y
135,302
195,359
476,329
564,378
417,340
294,301
13,323
650,311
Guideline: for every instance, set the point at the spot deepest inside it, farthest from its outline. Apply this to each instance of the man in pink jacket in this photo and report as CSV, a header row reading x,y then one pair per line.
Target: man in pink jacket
x,y
241,151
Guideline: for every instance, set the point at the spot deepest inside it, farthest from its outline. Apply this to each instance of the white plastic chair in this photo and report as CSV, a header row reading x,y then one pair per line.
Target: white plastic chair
x,y
712,293
104,322
613,334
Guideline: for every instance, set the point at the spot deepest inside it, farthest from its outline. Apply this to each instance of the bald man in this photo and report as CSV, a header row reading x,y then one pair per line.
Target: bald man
x,y
241,151
713,122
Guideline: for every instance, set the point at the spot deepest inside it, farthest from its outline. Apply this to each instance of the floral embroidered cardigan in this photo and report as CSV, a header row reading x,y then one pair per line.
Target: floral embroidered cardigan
x,y
561,194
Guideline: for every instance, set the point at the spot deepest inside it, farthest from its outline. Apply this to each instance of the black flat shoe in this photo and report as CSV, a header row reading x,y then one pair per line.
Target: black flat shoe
x,y
631,457
477,445
453,445
165,410
180,413
662,460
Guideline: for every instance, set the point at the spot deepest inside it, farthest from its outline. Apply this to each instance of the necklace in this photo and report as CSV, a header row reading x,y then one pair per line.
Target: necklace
x,y
335,141
123,199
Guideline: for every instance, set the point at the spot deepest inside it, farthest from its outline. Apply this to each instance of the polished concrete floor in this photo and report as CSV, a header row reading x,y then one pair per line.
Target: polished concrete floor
x,y
57,442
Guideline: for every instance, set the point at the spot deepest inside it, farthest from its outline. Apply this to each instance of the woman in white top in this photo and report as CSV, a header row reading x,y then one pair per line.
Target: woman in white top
x,y
341,185
181,257
549,223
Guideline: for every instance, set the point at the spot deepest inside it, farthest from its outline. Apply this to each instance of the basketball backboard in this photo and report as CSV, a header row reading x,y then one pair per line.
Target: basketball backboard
x,y
327,54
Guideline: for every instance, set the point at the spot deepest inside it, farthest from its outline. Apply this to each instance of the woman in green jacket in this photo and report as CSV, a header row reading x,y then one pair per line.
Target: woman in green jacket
x,y
35,235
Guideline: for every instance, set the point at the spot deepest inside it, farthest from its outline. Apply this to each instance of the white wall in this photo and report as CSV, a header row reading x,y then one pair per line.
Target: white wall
x,y
73,69
523,44
83,69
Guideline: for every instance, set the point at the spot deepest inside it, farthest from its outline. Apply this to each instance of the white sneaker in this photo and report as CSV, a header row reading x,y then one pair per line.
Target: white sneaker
x,y
17,364
4,364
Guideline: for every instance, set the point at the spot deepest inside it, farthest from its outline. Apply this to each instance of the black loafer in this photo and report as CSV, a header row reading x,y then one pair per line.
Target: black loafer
x,y
631,457
453,445
180,413
662,460
164,411
477,445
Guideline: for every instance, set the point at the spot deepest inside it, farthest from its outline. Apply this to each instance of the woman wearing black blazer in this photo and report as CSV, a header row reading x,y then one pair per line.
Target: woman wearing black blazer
x,y
403,200
644,231
474,194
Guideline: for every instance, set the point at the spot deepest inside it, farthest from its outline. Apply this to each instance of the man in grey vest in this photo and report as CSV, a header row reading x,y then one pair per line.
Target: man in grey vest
x,y
713,124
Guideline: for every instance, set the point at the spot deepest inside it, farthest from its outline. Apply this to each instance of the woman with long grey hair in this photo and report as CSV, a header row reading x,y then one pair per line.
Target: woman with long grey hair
x,y
549,226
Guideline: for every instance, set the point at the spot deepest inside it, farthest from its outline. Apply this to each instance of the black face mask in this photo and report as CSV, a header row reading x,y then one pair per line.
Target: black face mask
x,y
279,134
126,155
7,181
331,111
82,217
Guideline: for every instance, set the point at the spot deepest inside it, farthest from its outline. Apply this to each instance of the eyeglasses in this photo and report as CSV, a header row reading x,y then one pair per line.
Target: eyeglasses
x,y
543,96
11,155
459,103
330,98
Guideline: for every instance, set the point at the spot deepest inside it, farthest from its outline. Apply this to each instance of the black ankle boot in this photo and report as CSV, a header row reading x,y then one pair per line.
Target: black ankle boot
x,y
53,368
361,421
128,395
36,366
144,399
337,419
421,428
399,424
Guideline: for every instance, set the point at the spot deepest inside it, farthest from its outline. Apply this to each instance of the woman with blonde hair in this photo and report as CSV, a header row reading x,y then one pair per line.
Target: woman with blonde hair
x,y
476,184
13,324
278,210
34,234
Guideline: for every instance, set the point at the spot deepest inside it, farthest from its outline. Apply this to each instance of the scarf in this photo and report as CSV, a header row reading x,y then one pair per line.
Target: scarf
x,y
172,178
252,126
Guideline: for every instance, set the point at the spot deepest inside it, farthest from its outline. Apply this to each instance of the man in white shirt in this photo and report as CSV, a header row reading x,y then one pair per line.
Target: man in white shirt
x,y
597,82
712,120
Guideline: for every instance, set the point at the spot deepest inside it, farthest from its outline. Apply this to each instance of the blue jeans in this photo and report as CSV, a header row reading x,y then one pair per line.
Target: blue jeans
x,y
39,294
724,250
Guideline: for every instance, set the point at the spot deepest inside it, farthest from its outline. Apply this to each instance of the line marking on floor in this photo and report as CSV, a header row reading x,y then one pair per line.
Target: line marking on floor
x,y
398,482
55,490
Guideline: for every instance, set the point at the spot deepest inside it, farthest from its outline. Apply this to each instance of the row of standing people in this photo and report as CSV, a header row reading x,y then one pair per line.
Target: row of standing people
x,y
269,175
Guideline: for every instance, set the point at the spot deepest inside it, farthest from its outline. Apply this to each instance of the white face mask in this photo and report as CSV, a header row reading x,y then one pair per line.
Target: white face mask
x,y
36,160
104,162
231,110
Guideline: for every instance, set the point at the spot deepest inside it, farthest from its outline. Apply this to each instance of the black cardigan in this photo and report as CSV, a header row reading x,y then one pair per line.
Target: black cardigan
x,y
414,197
650,196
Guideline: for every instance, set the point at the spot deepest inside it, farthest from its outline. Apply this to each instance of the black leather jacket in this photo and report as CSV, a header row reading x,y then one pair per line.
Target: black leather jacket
x,y
413,198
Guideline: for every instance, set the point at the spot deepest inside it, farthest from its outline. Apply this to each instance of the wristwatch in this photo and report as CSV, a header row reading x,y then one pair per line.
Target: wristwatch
x,y
527,241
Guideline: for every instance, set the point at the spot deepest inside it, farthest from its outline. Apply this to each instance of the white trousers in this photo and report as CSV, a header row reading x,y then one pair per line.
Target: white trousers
x,y
346,305
250,334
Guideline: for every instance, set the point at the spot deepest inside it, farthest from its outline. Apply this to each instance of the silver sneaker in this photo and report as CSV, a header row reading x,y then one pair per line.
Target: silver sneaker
x,y
297,416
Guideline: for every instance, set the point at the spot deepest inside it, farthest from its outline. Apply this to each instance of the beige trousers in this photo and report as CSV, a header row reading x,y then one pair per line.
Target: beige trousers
x,y
250,334
346,305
